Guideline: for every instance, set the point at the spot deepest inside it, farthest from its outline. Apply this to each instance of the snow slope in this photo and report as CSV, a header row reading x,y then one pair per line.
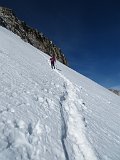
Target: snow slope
x,y
50,114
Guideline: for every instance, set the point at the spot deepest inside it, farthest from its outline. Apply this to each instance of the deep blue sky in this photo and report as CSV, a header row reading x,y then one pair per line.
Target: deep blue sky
x,y
87,31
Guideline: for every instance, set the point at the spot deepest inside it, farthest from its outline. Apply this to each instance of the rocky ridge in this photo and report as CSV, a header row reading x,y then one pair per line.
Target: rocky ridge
x,y
9,20
115,91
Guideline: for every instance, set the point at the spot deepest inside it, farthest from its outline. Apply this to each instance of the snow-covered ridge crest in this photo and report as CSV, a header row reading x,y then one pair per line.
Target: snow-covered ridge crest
x,y
52,114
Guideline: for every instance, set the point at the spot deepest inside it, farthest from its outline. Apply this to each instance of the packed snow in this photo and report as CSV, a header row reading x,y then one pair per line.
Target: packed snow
x,y
52,114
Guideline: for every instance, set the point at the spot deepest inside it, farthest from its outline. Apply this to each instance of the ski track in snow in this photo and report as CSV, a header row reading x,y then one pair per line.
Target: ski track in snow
x,y
24,140
46,115
73,121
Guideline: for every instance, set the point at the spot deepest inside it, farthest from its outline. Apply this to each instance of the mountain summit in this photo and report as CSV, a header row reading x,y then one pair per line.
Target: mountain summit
x,y
9,20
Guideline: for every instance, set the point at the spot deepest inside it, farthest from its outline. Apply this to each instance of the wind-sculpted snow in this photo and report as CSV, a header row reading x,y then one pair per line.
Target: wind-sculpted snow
x,y
50,114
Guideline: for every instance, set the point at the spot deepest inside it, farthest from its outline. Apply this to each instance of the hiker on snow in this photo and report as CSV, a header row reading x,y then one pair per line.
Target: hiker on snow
x,y
53,60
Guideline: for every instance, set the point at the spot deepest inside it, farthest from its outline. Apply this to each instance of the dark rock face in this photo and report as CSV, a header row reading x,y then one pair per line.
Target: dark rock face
x,y
28,34
115,91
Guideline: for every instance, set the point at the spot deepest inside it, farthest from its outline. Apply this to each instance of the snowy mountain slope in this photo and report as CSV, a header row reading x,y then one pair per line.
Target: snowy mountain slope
x,y
50,114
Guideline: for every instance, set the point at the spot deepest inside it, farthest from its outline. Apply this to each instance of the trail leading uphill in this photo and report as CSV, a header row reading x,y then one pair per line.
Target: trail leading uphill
x,y
52,114
74,124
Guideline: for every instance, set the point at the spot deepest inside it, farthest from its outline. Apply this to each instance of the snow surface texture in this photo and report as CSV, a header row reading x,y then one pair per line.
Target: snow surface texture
x,y
50,114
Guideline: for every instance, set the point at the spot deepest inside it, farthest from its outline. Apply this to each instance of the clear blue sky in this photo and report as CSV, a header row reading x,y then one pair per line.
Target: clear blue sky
x,y
87,31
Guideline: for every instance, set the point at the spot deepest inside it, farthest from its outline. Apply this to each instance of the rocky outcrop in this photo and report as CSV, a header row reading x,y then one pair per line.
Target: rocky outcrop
x,y
115,91
28,34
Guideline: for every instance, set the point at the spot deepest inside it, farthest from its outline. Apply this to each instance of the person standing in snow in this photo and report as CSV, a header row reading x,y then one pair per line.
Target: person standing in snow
x,y
53,60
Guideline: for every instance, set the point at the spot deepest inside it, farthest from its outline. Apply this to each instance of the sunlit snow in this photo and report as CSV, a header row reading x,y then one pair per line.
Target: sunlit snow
x,y
50,114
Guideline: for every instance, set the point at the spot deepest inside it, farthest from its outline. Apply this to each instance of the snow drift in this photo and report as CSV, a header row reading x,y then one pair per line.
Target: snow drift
x,y
50,114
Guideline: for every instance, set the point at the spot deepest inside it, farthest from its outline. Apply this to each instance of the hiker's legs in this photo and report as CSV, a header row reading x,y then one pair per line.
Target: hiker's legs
x,y
52,65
